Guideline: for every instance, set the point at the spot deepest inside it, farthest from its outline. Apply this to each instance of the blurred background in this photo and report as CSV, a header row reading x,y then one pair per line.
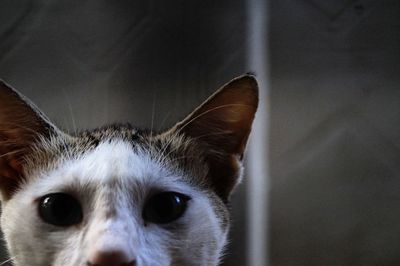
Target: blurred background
x,y
323,168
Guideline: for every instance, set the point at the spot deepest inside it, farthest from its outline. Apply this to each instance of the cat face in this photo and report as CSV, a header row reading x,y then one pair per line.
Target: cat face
x,y
119,196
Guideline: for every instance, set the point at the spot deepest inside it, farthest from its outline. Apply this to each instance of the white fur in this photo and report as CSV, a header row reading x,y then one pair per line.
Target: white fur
x,y
112,182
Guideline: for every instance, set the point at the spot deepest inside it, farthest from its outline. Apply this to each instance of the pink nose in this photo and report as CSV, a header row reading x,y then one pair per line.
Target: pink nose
x,y
110,258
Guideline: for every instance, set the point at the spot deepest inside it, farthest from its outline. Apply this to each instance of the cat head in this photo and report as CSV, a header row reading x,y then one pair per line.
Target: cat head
x,y
117,195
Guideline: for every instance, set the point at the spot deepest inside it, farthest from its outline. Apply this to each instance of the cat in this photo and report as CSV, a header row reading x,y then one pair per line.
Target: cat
x,y
118,195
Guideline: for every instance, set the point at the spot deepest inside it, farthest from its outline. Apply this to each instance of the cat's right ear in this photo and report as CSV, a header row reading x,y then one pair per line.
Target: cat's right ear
x,y
21,125
222,124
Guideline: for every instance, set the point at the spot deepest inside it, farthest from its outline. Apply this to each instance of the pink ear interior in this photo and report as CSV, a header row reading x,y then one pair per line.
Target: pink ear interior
x,y
21,123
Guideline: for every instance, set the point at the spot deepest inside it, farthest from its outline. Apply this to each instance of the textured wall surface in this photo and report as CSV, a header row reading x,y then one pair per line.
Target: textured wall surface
x,y
86,63
335,132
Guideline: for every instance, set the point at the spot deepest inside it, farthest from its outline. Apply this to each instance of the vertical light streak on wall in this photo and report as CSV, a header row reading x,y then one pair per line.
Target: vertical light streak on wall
x,y
258,164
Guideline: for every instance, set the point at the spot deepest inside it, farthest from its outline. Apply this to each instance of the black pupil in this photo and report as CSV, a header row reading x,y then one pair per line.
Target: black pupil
x,y
60,209
165,207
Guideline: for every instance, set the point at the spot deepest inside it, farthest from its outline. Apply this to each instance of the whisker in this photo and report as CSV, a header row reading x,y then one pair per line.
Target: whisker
x,y
183,157
164,120
19,126
198,116
7,261
197,138
210,110
194,119
10,153
226,132
152,118
153,108
71,113
165,146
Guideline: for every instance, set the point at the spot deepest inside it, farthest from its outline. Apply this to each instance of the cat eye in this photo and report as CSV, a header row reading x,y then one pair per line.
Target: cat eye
x,y
60,209
165,207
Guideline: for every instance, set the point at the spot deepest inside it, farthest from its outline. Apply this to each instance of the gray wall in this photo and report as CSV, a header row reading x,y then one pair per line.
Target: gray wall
x,y
335,132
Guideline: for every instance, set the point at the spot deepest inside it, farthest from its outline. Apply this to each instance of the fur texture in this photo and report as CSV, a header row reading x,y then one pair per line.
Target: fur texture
x,y
112,172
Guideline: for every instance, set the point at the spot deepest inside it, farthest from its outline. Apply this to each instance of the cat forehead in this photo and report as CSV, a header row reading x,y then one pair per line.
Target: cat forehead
x,y
113,162
116,159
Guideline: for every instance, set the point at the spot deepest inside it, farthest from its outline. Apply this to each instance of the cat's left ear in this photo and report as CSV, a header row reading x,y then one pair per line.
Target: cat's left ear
x,y
222,125
21,125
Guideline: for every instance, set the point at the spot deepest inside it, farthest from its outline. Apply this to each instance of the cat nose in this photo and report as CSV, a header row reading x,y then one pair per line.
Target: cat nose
x,y
110,258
